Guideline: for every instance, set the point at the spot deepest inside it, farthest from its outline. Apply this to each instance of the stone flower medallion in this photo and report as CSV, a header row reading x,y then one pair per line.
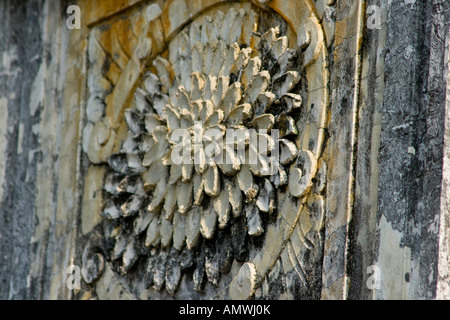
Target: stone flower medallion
x,y
215,210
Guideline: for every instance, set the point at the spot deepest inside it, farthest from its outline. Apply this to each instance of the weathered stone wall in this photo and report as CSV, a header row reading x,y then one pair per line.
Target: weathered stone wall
x,y
32,53
85,178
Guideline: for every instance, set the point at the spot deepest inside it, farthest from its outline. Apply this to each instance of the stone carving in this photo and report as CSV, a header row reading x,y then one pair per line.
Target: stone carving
x,y
219,72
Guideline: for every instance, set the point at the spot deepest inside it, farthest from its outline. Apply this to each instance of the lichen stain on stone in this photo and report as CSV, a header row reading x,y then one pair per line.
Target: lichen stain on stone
x,y
394,262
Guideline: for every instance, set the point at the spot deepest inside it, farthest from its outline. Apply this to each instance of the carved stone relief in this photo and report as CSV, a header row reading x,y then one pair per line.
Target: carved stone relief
x,y
207,223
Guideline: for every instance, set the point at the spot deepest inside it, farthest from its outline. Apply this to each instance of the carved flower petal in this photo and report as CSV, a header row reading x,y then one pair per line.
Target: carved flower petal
x,y
125,163
252,68
170,201
211,181
207,110
159,102
156,152
134,121
111,211
263,166
231,164
184,102
153,236
158,196
185,66
240,114
112,182
293,101
217,24
134,163
220,91
248,26
241,136
197,85
235,196
212,268
159,275
231,56
279,47
184,198
132,206
232,98
172,117
263,102
175,174
155,173
222,207
215,118
196,107
228,30
195,33
119,162
286,61
141,102
258,85
198,189
280,178
186,172
196,58
213,144
218,58
120,246
166,231
173,272
141,223
265,142
246,184
254,222
186,120
145,141
200,161
193,227
165,72
287,126
131,184
266,198
284,83
179,230
208,222
160,134
208,53
152,84
242,60
264,122
210,87
270,37
130,255
288,151
131,144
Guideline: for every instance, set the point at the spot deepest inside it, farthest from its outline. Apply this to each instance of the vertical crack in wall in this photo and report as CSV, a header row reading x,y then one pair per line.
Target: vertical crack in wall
x,y
354,141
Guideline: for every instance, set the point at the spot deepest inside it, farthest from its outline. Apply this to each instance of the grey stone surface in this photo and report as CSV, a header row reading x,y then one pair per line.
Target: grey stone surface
x,y
411,150
22,49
